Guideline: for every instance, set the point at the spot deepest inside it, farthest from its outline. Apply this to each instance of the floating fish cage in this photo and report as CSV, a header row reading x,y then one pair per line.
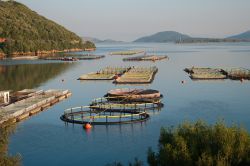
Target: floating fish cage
x,y
108,73
215,73
122,106
129,52
238,73
102,116
146,58
74,57
112,110
134,95
138,75
205,73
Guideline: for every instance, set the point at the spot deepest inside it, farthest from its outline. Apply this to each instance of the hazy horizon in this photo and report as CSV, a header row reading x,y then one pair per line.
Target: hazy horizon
x,y
130,19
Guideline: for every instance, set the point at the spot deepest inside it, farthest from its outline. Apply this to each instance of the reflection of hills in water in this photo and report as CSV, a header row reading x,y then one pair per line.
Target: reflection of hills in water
x,y
19,77
5,159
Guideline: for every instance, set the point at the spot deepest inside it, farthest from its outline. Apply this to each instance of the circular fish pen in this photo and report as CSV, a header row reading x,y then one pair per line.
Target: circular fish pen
x,y
120,106
87,114
114,104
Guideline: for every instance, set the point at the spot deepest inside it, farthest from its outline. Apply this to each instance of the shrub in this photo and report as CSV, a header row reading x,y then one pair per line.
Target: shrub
x,y
202,145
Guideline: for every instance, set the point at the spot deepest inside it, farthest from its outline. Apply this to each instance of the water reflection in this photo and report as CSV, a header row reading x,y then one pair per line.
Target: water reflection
x,y
18,77
5,132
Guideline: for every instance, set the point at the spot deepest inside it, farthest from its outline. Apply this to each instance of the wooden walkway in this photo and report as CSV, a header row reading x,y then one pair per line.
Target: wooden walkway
x,y
32,105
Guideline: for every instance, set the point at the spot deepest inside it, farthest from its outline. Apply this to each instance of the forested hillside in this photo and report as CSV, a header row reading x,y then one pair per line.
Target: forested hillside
x,y
23,30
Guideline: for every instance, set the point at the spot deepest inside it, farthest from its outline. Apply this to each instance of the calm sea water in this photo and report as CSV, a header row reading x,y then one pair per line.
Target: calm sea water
x,y
45,140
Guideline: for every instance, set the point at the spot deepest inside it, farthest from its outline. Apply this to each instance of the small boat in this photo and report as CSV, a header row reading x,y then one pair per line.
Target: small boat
x,y
134,95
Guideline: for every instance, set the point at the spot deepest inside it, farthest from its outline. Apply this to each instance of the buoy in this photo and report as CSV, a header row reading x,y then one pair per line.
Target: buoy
x,y
87,126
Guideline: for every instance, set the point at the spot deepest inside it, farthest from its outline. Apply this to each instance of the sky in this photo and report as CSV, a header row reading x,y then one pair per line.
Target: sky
x,y
127,20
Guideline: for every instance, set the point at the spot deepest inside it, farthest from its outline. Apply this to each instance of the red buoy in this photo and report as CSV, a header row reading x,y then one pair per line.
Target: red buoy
x,y
87,126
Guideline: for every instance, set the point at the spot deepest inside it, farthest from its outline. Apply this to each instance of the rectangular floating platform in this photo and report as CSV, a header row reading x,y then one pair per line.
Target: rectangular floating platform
x,y
129,52
205,73
237,73
138,75
108,73
90,57
146,58
217,73
29,106
75,58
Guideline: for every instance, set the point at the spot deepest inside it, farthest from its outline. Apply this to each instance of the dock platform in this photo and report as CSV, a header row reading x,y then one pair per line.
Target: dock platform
x,y
22,109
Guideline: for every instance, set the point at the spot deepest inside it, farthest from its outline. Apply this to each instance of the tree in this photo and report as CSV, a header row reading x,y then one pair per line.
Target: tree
x,y
199,144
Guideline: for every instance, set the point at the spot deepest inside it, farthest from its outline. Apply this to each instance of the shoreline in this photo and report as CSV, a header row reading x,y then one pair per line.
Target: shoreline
x,y
38,54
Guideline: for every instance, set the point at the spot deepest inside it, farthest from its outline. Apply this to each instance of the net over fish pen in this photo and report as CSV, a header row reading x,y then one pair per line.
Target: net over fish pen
x,y
138,75
205,73
106,111
108,73
238,73
134,95
146,58
216,73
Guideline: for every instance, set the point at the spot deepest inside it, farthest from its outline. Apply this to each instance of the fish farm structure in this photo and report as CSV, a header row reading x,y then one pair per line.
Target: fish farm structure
x,y
123,75
114,110
146,58
217,73
108,73
129,52
74,58
138,75
30,102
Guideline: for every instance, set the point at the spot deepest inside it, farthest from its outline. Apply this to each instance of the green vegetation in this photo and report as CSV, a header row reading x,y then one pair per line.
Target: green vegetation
x,y
20,77
6,160
89,44
200,144
27,31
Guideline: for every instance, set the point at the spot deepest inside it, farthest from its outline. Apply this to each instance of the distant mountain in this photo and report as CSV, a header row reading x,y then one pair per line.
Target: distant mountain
x,y
111,41
162,37
172,36
96,40
208,40
242,36
92,39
